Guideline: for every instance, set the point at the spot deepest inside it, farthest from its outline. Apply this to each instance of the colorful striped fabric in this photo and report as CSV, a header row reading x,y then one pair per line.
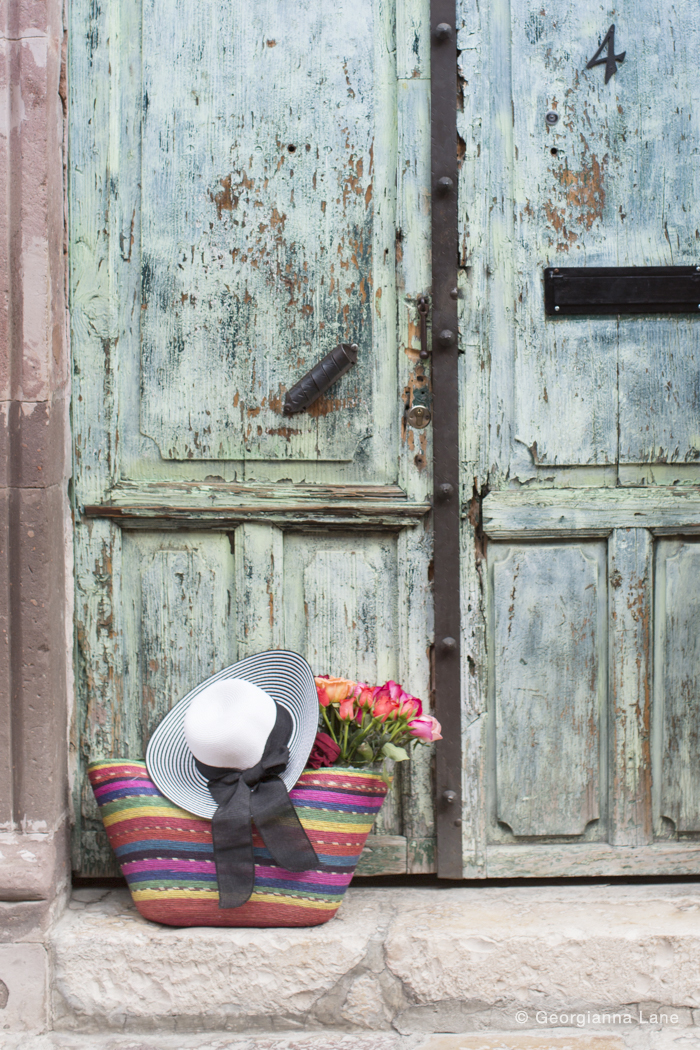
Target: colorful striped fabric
x,y
167,857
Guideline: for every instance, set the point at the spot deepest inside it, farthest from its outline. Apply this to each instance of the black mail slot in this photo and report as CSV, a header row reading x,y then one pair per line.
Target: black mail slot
x,y
572,290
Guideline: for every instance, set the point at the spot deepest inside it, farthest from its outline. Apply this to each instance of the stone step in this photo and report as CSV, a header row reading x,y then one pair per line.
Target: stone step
x,y
394,962
561,1039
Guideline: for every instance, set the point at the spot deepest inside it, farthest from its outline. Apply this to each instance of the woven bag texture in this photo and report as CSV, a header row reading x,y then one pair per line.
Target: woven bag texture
x,y
167,858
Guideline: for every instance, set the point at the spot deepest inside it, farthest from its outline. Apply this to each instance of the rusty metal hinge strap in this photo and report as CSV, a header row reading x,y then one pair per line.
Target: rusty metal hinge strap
x,y
444,368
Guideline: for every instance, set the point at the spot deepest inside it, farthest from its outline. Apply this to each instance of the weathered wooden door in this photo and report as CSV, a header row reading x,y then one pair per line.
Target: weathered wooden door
x,y
249,185
581,447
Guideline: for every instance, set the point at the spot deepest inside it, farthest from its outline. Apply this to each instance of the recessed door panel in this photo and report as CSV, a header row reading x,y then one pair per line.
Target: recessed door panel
x,y
267,176
549,677
678,686
154,622
341,604
589,173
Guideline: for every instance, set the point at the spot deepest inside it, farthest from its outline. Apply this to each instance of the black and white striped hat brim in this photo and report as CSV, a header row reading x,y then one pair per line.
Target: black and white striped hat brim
x,y
286,677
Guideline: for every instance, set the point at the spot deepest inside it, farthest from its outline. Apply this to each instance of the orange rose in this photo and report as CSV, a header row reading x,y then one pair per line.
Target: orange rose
x,y
333,690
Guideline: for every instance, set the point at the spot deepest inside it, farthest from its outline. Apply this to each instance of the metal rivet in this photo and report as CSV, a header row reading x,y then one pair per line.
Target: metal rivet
x,y
458,823
445,490
445,184
424,355
443,31
354,346
446,337
556,309
450,796
454,294
552,117
449,644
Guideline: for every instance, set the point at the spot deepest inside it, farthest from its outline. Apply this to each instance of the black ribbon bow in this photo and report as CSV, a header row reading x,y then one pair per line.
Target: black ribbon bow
x,y
256,794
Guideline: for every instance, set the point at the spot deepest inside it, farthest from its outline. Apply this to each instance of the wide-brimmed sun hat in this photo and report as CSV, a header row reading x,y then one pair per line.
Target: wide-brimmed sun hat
x,y
284,676
230,750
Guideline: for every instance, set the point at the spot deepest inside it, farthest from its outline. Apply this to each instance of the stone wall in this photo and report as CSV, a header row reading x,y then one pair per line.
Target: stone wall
x,y
34,469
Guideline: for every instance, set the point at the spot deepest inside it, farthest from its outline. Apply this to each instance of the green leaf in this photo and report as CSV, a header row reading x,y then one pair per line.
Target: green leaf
x,y
399,754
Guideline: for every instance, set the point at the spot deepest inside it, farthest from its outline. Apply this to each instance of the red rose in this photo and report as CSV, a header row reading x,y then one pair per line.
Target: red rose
x,y
324,752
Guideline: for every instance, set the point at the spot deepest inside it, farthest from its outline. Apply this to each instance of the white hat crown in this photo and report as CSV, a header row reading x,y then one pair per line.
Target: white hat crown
x,y
228,723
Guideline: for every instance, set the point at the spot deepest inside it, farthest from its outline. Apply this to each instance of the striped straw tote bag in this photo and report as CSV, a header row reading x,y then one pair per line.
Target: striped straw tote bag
x,y
167,857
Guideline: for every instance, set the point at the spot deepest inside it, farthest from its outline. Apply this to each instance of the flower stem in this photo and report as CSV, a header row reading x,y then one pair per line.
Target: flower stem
x,y
359,739
330,727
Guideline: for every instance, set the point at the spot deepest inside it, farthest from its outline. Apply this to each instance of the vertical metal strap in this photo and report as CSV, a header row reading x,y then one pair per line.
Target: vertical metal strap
x,y
444,175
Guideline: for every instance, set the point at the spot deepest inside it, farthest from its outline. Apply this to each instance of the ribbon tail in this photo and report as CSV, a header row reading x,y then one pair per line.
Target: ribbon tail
x,y
233,848
280,828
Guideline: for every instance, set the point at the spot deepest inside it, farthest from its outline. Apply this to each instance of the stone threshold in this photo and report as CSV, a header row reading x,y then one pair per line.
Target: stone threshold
x,y
560,1039
455,968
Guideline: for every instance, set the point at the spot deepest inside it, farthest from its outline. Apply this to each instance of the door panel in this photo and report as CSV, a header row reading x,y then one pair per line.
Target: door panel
x,y
611,183
565,387
549,609
260,203
580,443
659,369
358,623
211,265
153,616
678,686
179,631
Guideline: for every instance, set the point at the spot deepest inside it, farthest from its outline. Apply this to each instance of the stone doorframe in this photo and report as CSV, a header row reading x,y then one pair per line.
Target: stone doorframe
x,y
35,569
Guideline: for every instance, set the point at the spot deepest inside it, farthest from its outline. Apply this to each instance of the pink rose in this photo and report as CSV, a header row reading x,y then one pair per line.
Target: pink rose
x,y
410,706
384,703
426,728
365,695
363,701
347,709
391,699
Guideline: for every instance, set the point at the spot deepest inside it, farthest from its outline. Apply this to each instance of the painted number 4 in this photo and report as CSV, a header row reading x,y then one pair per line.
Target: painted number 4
x,y
611,58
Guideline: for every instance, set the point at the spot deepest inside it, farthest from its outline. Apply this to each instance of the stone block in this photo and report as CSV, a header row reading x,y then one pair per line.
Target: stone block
x,y
113,970
33,449
330,1040
544,1041
39,677
32,866
469,961
6,764
25,920
23,987
548,947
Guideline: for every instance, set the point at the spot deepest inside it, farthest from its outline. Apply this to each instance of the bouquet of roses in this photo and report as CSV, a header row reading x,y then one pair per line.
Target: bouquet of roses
x,y
362,724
